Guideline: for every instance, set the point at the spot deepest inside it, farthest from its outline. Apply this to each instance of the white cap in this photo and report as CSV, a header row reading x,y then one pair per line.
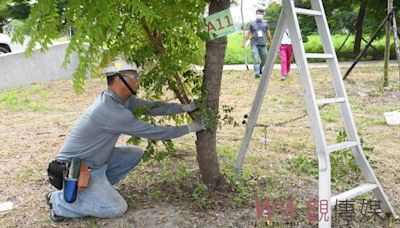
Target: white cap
x,y
120,65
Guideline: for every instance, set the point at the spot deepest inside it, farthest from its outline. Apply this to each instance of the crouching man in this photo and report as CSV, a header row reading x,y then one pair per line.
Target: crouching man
x,y
93,140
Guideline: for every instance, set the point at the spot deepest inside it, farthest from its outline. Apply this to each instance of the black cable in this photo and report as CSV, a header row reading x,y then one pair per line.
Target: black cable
x,y
126,84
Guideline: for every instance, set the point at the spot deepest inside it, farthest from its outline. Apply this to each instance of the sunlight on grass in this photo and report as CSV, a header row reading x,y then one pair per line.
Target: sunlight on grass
x,y
24,176
33,98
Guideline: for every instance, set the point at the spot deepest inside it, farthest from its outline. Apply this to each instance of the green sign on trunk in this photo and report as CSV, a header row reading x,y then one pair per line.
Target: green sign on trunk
x,y
220,24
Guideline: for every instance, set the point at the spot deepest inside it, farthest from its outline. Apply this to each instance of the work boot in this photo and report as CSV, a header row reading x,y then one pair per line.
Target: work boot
x,y
53,216
56,218
47,198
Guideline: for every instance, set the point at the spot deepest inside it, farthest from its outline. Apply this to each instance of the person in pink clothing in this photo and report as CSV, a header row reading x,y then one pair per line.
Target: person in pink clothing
x,y
285,53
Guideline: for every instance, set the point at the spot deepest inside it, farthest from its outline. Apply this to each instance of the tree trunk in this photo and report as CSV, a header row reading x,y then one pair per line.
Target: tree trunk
x,y
387,47
359,27
207,140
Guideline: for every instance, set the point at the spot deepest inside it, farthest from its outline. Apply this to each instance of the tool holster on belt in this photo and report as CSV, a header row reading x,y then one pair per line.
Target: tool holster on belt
x,y
69,176
83,180
56,172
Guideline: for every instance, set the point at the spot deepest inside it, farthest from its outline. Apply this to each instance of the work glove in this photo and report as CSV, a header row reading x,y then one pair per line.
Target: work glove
x,y
196,126
189,107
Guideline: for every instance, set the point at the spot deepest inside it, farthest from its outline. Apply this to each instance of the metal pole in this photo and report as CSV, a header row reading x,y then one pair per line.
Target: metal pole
x,y
368,44
345,40
341,46
372,46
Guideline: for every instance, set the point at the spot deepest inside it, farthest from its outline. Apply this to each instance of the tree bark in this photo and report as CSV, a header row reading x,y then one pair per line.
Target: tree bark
x,y
359,27
206,140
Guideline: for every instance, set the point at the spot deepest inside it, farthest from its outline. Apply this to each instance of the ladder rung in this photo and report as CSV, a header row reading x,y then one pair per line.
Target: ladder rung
x,y
341,146
330,100
318,56
307,12
353,192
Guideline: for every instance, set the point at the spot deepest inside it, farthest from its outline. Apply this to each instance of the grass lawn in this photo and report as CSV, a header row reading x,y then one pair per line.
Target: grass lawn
x,y
281,161
235,52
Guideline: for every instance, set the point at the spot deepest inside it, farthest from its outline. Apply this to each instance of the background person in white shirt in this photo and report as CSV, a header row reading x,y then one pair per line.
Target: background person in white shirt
x,y
285,53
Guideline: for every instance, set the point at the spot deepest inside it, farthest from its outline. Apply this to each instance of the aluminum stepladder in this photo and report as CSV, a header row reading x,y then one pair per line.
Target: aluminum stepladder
x,y
288,19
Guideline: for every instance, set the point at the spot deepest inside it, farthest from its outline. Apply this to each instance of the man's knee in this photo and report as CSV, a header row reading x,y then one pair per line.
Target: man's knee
x,y
115,211
137,154
132,155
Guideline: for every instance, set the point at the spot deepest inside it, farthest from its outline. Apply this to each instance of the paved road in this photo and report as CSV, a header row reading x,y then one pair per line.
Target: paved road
x,y
315,65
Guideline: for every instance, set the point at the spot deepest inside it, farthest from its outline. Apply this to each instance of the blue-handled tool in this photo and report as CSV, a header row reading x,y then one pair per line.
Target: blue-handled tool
x,y
71,182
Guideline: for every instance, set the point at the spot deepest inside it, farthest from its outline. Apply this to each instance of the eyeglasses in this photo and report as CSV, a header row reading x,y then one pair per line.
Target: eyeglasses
x,y
130,75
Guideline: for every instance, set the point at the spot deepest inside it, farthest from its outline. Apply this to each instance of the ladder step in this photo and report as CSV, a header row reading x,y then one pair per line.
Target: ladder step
x,y
307,12
318,56
331,100
341,146
353,192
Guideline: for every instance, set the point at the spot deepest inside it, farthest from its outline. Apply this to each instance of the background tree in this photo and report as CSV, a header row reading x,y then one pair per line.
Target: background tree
x,y
13,10
358,28
342,20
3,16
166,37
272,13
370,14
19,9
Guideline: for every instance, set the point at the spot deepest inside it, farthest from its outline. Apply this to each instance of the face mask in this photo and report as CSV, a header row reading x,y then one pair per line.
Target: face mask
x,y
259,16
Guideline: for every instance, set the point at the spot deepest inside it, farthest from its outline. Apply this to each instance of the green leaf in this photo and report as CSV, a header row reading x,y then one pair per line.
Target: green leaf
x,y
134,140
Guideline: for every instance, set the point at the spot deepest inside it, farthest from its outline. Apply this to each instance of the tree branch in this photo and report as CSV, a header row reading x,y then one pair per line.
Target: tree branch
x,y
175,83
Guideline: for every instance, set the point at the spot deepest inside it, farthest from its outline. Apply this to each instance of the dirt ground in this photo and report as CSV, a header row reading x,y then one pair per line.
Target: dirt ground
x,y
35,120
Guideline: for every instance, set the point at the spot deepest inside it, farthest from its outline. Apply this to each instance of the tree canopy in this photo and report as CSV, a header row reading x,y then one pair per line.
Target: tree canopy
x,y
165,37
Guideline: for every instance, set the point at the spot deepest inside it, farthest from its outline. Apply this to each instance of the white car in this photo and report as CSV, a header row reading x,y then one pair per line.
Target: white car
x,y
5,44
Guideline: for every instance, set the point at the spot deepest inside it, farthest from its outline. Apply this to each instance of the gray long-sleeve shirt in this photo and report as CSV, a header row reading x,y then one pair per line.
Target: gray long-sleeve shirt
x,y
96,132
